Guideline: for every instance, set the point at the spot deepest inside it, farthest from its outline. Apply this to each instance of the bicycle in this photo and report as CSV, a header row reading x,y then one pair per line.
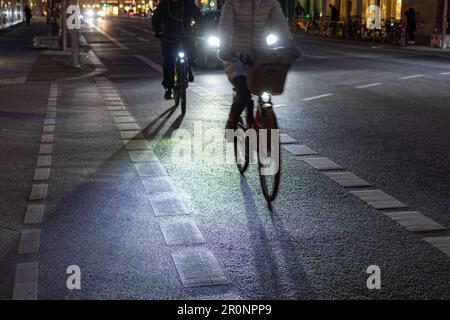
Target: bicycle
x,y
181,72
265,81
181,81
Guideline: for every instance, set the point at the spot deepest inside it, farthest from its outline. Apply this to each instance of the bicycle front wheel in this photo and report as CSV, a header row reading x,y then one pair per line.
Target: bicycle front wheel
x,y
269,155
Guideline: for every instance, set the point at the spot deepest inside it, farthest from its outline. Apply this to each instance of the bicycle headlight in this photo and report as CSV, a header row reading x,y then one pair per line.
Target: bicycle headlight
x,y
271,39
265,97
214,42
181,55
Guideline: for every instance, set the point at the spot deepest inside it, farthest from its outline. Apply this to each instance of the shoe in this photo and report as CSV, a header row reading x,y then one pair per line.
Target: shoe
x,y
191,74
168,94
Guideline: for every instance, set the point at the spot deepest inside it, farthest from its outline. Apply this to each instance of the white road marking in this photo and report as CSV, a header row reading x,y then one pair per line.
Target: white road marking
x,y
25,283
378,199
29,241
318,97
44,161
444,73
150,63
369,85
141,29
322,163
38,191
45,149
347,179
34,214
412,77
441,243
143,39
414,221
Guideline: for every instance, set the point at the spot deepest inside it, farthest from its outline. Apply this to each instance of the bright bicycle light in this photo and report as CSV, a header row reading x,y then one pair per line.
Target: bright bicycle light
x,y
90,13
181,55
271,39
265,97
214,42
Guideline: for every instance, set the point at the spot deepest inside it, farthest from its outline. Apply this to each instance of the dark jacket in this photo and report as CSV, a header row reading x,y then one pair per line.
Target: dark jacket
x,y
173,17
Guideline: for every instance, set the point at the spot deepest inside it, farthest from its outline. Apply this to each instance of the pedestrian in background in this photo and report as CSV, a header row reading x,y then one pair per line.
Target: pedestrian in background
x,y
28,15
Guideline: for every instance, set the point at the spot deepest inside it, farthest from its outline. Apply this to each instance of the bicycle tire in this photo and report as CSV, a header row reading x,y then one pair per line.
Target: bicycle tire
x,y
183,86
242,167
266,119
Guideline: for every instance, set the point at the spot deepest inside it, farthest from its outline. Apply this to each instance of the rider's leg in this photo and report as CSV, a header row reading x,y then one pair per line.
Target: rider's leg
x,y
189,45
241,100
169,57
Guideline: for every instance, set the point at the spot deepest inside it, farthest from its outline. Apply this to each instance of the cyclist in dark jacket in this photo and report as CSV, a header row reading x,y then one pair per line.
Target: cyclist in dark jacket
x,y
172,22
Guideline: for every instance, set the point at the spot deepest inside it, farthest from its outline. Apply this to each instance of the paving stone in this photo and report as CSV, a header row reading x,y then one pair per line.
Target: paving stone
x,y
120,113
285,139
46,138
414,221
44,161
124,119
48,129
322,164
198,269
114,108
347,179
299,150
378,199
150,169
168,204
26,280
136,144
441,243
45,148
51,109
34,213
128,135
158,184
29,241
181,232
114,103
41,174
127,126
49,122
142,156
38,191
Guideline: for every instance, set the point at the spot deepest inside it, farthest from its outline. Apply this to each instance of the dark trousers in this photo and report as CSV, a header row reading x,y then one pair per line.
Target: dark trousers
x,y
28,20
242,96
170,51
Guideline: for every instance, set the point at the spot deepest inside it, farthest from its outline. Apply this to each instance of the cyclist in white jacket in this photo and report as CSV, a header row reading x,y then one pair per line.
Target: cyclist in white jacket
x,y
235,29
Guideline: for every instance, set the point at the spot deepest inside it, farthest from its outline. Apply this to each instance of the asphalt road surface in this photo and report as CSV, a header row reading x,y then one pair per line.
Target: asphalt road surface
x,y
380,113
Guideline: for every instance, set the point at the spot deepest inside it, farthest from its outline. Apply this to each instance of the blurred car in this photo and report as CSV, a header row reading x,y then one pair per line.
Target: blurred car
x,y
208,42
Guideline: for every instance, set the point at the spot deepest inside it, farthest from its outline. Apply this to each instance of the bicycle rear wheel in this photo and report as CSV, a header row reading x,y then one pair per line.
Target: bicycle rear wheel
x,y
269,160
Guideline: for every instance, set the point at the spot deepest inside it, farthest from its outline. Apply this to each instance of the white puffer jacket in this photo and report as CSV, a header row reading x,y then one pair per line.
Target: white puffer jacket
x,y
235,28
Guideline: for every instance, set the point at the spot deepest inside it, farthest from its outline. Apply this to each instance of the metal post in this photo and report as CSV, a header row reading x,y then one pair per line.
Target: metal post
x,y
64,25
444,25
75,42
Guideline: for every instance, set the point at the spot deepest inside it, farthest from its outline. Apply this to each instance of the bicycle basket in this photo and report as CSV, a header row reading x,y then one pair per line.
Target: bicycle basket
x,y
268,78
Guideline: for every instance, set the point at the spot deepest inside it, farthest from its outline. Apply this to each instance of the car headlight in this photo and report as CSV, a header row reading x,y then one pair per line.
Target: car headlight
x,y
214,42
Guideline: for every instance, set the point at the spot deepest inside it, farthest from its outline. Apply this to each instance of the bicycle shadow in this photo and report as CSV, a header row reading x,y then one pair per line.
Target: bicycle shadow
x,y
277,279
148,132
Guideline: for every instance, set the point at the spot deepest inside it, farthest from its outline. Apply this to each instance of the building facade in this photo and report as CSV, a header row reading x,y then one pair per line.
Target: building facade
x,y
429,13
11,12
